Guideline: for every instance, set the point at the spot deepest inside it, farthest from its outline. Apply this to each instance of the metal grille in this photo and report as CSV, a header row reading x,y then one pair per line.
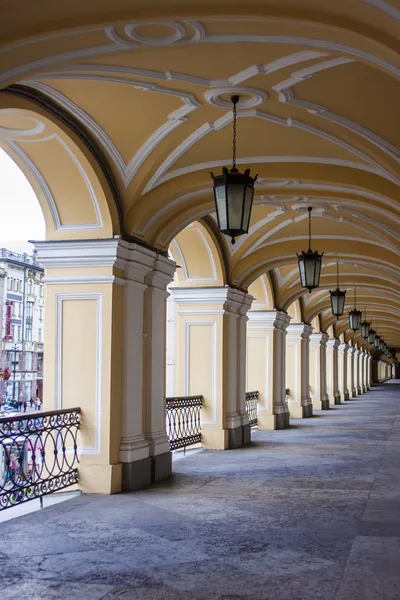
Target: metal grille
x,y
251,407
38,455
183,421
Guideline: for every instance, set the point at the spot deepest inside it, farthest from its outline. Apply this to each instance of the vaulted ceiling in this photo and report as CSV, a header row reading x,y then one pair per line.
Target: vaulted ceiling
x,y
118,111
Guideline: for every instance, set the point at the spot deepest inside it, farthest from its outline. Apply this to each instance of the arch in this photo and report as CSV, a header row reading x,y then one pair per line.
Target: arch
x,y
197,257
262,292
294,311
75,201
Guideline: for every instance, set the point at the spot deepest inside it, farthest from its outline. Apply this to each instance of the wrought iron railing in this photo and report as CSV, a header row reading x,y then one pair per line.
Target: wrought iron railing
x,y
251,407
183,421
38,455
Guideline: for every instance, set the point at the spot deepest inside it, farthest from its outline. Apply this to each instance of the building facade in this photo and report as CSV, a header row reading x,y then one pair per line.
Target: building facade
x,y
21,325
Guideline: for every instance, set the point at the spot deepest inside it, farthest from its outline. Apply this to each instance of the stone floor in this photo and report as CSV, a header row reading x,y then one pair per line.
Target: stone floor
x,y
309,513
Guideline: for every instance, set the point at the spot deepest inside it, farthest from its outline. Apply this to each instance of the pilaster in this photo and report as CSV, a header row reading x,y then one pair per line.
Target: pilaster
x,y
319,396
266,365
357,371
342,371
298,370
352,376
332,371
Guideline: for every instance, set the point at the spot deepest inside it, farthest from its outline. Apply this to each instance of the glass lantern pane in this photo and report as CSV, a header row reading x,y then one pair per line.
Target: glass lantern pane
x,y
310,269
235,205
302,272
341,300
220,205
248,201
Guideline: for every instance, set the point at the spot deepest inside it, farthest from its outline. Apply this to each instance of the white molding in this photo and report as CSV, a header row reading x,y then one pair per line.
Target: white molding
x,y
213,324
128,170
78,253
257,97
83,279
60,298
46,190
385,7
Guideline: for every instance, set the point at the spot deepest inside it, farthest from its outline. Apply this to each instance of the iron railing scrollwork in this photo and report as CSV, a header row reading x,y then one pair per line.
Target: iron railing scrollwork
x,y
251,407
183,421
38,455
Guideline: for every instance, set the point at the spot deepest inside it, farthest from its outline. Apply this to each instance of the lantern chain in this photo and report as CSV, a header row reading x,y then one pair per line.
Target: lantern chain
x,y
235,100
309,227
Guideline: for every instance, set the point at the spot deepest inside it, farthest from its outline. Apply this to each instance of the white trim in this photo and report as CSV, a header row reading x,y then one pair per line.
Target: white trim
x,y
213,324
83,279
60,298
385,7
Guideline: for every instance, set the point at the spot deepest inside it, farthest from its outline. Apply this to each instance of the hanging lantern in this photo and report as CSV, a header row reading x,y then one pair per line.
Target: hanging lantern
x,y
337,297
309,263
355,315
365,325
371,336
233,194
381,344
376,341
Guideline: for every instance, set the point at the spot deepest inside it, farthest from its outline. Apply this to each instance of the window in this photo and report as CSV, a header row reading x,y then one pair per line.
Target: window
x,y
28,334
14,333
9,283
41,290
41,313
40,336
19,333
28,361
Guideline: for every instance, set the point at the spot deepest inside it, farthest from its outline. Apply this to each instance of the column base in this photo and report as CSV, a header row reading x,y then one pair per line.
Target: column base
x,y
161,466
235,438
282,421
359,391
136,475
337,399
353,394
307,411
246,434
346,396
325,404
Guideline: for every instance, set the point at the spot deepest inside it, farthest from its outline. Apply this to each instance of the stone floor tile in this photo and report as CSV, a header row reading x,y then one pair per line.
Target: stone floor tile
x,y
308,513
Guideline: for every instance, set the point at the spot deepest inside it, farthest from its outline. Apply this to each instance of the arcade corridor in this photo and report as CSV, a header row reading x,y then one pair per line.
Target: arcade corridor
x,y
306,513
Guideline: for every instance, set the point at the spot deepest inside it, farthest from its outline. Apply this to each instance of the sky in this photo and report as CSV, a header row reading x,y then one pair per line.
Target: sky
x,y
21,218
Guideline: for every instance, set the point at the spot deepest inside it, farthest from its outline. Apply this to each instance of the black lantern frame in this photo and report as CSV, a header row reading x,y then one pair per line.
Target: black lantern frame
x,y
365,326
355,315
377,340
310,263
233,194
371,336
337,297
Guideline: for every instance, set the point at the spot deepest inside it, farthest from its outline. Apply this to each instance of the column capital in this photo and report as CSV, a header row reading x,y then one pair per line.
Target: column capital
x,y
333,343
231,299
302,329
319,338
270,319
343,347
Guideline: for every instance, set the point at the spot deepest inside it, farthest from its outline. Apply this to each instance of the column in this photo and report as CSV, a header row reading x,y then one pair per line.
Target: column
x,y
298,370
342,371
154,356
319,396
351,372
211,360
363,372
357,383
266,366
105,352
369,370
332,371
